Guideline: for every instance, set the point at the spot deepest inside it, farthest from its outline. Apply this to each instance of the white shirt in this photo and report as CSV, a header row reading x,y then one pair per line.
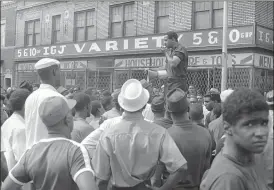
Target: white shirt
x,y
205,112
14,138
91,141
148,114
35,128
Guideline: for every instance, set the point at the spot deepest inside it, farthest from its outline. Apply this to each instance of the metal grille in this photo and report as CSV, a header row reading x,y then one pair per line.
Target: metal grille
x,y
99,80
263,79
239,77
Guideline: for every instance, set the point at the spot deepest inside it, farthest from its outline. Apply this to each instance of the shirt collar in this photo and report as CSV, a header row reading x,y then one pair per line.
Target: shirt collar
x,y
182,124
17,115
133,116
47,86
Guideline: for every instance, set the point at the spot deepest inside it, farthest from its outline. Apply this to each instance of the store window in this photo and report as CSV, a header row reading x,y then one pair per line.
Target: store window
x,y
207,14
122,20
85,25
162,16
3,32
56,26
32,32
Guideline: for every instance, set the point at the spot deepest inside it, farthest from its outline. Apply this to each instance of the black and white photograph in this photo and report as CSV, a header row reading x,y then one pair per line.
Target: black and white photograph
x,y
136,95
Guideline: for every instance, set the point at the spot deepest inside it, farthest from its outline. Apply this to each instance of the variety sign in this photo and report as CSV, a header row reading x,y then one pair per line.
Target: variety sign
x,y
264,37
190,39
263,61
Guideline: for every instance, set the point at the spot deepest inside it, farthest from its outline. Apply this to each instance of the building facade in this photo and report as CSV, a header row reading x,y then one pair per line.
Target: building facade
x,y
8,19
102,44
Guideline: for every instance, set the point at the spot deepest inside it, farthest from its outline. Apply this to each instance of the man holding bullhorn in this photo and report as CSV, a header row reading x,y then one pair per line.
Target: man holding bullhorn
x,y
176,64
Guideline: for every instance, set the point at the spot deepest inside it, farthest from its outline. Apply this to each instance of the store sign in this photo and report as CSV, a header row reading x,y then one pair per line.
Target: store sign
x,y
189,39
216,59
140,62
263,61
264,37
64,65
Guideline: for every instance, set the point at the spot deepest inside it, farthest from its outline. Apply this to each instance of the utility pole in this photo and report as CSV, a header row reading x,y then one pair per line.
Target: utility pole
x,y
224,48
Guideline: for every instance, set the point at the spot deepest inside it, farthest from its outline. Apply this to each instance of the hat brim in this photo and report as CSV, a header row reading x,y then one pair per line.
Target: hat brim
x,y
71,103
131,108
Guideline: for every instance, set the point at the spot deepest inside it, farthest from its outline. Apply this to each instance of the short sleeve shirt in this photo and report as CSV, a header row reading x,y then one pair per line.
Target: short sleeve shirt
x,y
81,130
130,150
52,164
181,69
227,173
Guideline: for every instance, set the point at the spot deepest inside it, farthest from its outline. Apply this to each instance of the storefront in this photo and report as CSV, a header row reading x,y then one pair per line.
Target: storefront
x,y
106,64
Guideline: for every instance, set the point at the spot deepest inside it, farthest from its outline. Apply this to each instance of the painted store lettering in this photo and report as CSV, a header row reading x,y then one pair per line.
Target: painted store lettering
x,y
265,62
189,39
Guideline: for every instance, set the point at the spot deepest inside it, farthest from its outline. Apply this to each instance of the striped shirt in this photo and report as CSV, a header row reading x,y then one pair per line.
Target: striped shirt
x,y
53,163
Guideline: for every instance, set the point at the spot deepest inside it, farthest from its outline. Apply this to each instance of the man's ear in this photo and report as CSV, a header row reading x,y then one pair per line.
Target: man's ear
x,y
228,128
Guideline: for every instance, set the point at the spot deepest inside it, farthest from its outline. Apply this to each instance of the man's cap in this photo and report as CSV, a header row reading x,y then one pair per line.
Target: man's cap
x,y
177,101
225,94
106,93
54,109
82,100
46,62
269,98
214,90
26,85
145,84
158,104
196,111
61,89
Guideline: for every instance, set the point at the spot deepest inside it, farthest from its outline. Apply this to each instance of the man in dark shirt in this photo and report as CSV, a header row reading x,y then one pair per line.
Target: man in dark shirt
x,y
158,109
193,141
210,99
176,63
81,128
56,163
245,116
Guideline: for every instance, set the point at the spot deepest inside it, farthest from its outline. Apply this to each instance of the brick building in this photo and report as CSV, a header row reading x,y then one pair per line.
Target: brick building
x,y
8,15
101,44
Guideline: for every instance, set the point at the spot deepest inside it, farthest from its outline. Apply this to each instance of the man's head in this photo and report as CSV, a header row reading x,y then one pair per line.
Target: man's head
x,y
55,113
245,115
114,96
49,71
147,86
200,99
193,99
83,105
26,85
269,99
158,106
191,90
17,100
196,112
170,39
106,99
97,109
177,104
2,99
210,99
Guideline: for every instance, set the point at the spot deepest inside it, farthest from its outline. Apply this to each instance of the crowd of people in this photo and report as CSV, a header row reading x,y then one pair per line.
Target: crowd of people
x,y
53,138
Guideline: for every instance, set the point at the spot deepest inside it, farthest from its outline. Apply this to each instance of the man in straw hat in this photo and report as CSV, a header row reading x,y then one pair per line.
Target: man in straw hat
x,y
193,141
55,162
49,73
128,152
